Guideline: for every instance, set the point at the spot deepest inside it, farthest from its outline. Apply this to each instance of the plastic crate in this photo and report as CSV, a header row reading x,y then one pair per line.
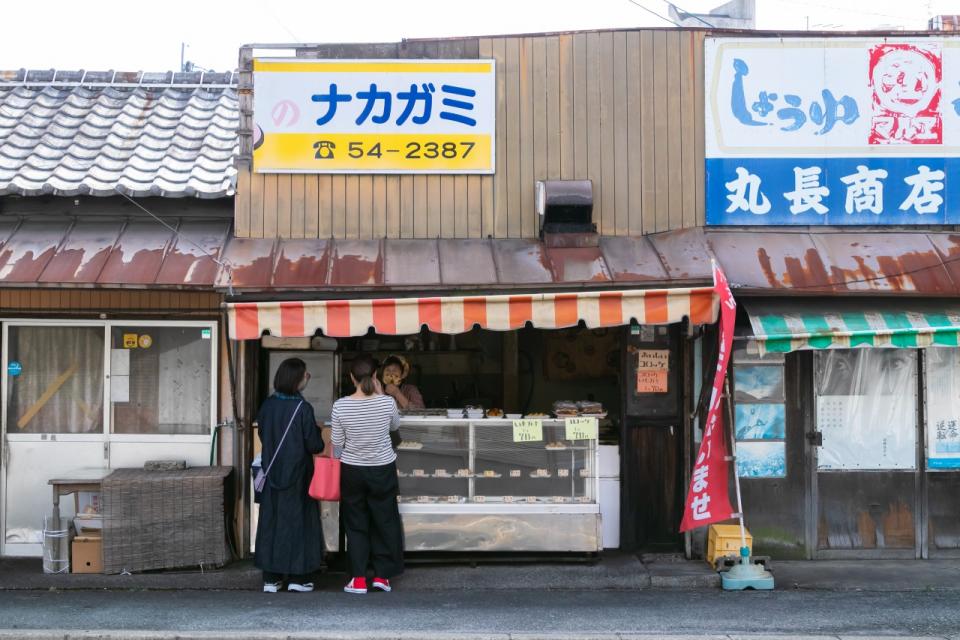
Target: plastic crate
x,y
724,540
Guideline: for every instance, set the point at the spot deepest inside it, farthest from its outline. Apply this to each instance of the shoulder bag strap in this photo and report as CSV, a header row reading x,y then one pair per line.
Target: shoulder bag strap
x,y
284,437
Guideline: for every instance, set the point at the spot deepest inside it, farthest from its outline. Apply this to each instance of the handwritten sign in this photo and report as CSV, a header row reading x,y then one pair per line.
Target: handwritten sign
x,y
528,430
581,428
653,366
373,116
653,359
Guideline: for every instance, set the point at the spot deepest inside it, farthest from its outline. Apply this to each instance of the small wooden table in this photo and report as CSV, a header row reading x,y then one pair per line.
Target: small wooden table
x,y
81,480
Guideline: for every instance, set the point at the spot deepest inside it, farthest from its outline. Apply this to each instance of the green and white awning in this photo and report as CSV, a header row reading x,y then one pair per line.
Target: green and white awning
x,y
782,326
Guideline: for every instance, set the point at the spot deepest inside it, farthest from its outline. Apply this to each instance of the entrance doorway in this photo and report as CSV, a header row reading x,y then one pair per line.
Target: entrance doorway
x,y
866,453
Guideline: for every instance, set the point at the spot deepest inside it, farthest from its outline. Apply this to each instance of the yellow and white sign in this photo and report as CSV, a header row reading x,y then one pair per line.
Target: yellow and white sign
x,y
582,428
528,430
373,116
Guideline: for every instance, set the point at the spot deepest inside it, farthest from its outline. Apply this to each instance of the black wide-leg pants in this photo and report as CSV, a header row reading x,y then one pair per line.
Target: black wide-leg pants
x,y
371,519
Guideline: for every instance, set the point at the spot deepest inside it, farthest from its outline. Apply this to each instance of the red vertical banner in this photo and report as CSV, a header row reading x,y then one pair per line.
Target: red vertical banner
x,y
708,499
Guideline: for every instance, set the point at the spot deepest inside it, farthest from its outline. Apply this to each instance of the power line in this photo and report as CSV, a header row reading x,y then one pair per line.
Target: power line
x,y
654,13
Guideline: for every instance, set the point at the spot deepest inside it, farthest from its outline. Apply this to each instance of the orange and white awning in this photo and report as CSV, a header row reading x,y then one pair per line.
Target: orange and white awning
x,y
458,314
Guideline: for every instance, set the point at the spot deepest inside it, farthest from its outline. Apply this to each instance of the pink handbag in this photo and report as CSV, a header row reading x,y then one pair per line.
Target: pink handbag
x,y
325,484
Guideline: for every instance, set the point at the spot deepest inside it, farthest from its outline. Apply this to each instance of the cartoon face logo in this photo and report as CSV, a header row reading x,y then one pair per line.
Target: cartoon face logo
x,y
905,81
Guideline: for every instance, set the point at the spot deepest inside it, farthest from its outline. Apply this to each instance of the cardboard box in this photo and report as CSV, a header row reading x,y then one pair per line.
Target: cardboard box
x,y
87,555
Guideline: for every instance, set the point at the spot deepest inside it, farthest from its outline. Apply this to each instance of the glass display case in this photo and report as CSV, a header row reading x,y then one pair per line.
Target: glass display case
x,y
465,485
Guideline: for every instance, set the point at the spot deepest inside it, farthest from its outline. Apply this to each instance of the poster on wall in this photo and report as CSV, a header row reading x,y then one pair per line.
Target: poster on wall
x,y
762,459
943,408
373,116
760,421
866,432
866,131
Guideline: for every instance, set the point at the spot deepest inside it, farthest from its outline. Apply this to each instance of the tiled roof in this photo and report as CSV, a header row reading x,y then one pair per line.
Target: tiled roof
x,y
91,133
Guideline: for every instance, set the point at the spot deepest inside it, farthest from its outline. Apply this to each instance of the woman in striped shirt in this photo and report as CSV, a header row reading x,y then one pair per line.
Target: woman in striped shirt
x,y
362,423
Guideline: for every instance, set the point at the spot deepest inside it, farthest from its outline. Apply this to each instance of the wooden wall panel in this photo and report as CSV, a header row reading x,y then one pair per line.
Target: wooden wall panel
x,y
66,301
623,108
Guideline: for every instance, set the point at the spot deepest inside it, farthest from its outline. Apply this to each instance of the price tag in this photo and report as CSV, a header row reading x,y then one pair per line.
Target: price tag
x,y
581,428
528,430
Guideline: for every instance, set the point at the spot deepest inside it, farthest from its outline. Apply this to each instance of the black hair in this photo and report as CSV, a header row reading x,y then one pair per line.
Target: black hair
x,y
392,360
289,376
363,369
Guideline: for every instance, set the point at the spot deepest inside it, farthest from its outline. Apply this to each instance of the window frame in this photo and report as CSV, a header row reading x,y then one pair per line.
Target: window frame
x,y
108,326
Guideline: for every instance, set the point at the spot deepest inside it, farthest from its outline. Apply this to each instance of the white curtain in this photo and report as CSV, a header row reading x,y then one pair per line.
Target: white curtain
x,y
60,387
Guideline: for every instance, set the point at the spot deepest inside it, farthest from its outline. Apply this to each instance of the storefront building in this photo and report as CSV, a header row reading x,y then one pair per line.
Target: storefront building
x,y
387,201
696,145
111,328
831,200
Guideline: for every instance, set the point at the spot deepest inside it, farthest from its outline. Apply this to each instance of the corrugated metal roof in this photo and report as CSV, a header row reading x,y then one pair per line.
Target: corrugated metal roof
x,y
331,265
802,262
203,254
114,253
75,133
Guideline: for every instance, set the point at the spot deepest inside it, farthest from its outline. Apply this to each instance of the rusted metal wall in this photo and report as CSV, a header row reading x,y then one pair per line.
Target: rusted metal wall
x,y
622,108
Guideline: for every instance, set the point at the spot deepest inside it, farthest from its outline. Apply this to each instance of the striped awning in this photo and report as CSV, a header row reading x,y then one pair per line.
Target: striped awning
x,y
458,314
783,326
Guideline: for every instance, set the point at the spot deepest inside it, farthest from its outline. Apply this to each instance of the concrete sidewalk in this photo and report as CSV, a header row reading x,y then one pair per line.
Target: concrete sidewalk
x,y
613,572
320,635
620,572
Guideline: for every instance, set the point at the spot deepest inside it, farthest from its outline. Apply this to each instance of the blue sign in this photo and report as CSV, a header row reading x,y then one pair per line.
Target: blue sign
x,y
14,369
833,191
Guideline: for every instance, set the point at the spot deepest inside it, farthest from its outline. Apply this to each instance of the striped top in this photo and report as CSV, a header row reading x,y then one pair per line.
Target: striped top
x,y
361,428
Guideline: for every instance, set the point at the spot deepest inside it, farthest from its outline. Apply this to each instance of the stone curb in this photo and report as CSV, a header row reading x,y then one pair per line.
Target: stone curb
x,y
120,634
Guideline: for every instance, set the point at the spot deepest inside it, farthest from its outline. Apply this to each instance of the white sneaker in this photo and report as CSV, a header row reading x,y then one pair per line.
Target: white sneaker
x,y
305,587
272,587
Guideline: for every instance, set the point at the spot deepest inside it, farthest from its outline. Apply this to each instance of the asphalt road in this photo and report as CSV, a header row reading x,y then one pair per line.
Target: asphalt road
x,y
524,610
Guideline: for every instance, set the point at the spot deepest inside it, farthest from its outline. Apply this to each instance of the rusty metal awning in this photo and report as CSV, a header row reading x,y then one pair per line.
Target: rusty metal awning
x,y
111,253
271,267
833,262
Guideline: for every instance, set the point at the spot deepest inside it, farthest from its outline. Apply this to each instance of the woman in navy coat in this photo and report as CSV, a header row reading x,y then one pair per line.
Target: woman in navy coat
x,y
289,536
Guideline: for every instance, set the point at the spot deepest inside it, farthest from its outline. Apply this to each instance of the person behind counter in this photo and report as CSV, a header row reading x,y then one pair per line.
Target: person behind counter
x,y
289,537
361,426
395,371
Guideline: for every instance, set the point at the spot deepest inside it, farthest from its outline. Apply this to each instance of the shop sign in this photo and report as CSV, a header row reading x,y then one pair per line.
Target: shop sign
x,y
580,428
862,131
130,340
528,430
14,369
373,116
653,368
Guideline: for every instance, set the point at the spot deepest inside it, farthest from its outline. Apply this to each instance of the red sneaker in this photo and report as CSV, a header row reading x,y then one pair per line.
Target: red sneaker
x,y
382,584
356,585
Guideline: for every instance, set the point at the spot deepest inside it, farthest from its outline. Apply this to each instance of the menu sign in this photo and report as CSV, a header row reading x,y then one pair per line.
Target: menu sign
x,y
653,367
581,428
528,430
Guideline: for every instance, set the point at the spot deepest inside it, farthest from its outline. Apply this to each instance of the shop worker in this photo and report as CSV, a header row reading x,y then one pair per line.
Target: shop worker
x,y
289,537
396,369
362,424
